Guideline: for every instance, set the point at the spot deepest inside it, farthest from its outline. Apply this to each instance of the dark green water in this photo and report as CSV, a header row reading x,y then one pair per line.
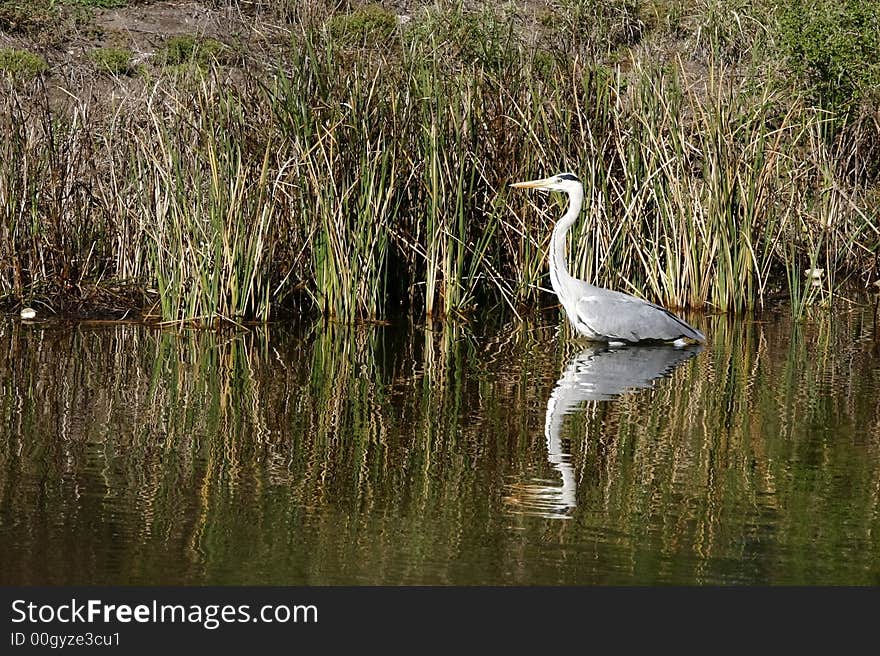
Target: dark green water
x,y
389,455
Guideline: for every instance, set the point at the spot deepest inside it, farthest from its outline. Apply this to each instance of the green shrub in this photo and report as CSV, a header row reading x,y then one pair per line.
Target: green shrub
x,y
187,49
21,64
370,25
833,46
116,61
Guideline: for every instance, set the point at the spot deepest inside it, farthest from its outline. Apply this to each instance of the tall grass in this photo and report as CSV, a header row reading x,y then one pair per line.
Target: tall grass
x,y
211,211
361,176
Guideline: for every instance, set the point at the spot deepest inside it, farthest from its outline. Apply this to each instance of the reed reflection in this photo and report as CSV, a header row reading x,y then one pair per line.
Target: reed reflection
x,y
382,455
596,373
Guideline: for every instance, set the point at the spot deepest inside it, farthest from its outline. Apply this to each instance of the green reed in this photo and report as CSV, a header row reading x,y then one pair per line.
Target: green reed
x,y
362,175
212,211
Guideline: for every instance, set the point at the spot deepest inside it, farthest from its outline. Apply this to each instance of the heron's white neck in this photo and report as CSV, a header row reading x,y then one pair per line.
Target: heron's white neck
x,y
558,268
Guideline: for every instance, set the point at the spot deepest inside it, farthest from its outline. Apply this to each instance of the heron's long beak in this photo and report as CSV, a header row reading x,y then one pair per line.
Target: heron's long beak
x,y
543,183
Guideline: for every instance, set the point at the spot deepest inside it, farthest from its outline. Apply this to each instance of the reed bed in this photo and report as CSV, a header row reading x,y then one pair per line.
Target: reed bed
x,y
360,176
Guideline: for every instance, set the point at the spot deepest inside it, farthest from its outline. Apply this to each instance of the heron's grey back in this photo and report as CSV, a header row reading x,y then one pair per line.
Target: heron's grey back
x,y
622,317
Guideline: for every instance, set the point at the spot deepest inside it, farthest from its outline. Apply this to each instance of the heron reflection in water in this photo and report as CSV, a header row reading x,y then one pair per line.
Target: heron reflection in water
x,y
596,373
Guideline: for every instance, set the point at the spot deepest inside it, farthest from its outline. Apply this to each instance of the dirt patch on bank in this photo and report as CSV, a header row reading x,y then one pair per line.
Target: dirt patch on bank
x,y
146,26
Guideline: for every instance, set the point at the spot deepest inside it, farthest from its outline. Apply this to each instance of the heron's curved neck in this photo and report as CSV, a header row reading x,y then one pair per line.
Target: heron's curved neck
x,y
558,267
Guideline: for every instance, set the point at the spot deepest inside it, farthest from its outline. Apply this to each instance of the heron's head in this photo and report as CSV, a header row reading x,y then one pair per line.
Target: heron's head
x,y
560,182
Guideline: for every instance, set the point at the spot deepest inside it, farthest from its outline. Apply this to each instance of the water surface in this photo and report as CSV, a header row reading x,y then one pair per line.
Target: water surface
x,y
460,455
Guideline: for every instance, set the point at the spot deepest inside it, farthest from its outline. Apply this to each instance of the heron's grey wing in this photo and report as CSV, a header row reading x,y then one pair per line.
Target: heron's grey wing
x,y
618,316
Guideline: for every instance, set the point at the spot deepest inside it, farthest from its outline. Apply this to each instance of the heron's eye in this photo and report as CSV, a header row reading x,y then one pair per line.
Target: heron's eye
x,y
568,176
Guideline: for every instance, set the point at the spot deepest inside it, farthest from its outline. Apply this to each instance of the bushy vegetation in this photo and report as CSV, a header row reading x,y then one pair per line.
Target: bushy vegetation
x,y
21,64
116,61
362,166
192,50
370,25
834,47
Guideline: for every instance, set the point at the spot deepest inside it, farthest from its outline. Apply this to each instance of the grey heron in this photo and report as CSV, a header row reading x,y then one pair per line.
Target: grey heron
x,y
603,315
